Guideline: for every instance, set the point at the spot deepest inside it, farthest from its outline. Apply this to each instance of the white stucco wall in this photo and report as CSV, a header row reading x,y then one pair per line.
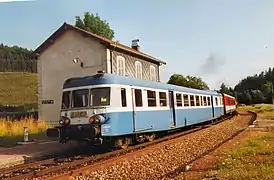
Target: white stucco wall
x,y
55,65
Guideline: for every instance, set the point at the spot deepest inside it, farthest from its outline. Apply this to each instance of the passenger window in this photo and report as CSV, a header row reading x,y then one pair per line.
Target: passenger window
x,y
204,101
151,98
208,101
216,100
123,97
179,100
197,100
192,102
163,99
138,97
186,102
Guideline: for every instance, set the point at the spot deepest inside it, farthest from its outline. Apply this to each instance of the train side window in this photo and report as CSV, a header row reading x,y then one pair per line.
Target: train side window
x,y
123,97
216,100
163,99
151,98
197,100
138,97
201,100
179,100
204,101
186,102
208,101
192,102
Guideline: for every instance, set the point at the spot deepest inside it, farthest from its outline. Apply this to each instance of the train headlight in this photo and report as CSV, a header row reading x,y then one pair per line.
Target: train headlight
x,y
97,119
91,120
64,121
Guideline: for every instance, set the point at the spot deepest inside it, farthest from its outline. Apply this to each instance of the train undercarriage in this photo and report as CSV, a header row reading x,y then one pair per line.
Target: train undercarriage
x,y
91,134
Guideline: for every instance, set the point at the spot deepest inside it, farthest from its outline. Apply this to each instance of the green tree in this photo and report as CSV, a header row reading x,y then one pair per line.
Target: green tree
x,y
94,24
256,88
188,81
226,90
16,59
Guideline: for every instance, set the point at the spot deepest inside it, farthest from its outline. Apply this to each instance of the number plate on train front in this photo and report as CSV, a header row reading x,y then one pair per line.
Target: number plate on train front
x,y
75,114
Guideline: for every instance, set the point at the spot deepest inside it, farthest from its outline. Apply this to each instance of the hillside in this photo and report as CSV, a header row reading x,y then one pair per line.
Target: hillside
x,y
18,88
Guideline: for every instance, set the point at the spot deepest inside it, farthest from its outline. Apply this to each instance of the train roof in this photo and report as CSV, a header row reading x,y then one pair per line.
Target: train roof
x,y
105,78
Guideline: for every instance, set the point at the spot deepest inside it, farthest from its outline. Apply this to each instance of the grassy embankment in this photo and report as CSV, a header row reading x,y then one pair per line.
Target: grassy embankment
x,y
19,89
252,158
264,111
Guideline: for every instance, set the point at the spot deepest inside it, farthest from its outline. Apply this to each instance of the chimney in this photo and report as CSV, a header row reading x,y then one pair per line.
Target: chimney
x,y
135,44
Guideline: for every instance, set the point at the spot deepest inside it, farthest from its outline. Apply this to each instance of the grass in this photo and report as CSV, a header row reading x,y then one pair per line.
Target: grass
x,y
13,131
18,88
251,159
264,111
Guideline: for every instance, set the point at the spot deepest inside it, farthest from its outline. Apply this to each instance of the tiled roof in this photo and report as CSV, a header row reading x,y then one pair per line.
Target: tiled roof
x,y
103,40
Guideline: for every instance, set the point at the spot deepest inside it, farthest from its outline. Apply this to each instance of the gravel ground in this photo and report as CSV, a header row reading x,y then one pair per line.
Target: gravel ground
x,y
163,162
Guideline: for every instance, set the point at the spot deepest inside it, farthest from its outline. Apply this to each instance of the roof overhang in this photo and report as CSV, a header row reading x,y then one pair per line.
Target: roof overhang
x,y
50,40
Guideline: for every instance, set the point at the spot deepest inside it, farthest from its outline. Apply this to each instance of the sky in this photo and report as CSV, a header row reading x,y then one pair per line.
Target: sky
x,y
219,41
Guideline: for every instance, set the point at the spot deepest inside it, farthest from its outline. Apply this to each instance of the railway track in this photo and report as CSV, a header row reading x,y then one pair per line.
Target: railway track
x,y
66,167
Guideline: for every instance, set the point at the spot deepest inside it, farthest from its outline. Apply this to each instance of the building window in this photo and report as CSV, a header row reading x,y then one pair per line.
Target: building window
x,y
138,70
163,99
120,65
151,98
152,72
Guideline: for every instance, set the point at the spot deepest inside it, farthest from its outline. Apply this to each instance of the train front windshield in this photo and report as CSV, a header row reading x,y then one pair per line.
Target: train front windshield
x,y
81,98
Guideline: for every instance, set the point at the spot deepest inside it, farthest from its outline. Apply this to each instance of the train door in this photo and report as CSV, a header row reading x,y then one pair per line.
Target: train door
x,y
133,108
172,108
212,105
140,120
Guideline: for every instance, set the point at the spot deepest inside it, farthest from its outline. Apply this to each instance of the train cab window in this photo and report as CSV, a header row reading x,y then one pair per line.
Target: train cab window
x,y
216,100
204,101
179,100
192,102
163,99
123,97
208,101
197,100
151,98
66,100
100,96
186,102
80,98
138,97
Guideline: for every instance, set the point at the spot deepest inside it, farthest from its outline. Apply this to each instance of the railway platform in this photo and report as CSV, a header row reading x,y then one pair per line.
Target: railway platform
x,y
32,152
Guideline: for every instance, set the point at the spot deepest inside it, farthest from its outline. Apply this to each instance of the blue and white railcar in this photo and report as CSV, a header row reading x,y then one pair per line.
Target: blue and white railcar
x,y
107,107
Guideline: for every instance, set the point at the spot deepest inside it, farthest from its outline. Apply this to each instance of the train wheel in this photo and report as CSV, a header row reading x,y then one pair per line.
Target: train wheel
x,y
122,142
150,137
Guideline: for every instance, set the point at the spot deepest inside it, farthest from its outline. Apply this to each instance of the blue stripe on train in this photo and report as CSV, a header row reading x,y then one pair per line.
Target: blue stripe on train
x,y
121,123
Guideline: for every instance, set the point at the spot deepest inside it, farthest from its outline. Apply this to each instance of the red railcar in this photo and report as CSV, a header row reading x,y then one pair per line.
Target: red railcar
x,y
230,103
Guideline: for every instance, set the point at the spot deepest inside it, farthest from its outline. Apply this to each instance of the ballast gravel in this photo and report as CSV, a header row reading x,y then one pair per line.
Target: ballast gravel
x,y
165,161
